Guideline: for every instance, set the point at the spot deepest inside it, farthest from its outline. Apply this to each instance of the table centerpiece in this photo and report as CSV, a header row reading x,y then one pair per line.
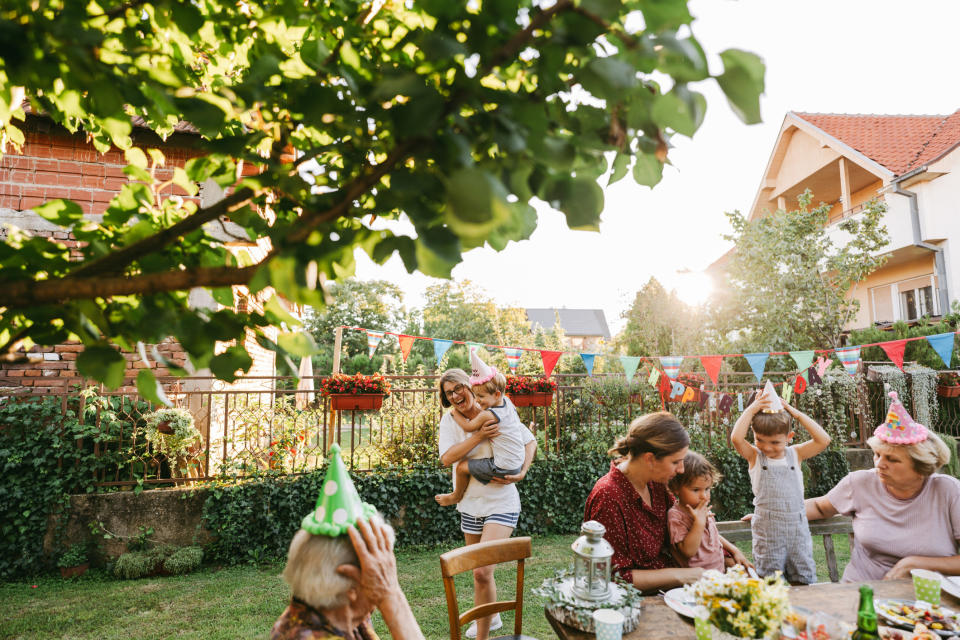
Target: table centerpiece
x,y
561,601
739,606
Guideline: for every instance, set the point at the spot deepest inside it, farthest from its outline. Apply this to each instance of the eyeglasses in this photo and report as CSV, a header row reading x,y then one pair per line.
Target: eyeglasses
x,y
457,390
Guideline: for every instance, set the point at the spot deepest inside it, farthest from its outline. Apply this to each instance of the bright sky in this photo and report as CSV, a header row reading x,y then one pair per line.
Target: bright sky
x,y
826,56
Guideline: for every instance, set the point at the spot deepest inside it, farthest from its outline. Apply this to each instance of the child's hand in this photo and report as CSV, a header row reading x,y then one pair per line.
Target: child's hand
x,y
763,401
700,512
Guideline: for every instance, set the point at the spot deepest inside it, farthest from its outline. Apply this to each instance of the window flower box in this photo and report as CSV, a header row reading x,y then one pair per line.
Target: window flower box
x,y
356,402
530,392
355,393
531,399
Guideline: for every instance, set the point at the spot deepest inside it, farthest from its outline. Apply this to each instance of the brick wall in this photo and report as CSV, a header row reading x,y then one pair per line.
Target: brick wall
x,y
57,164
55,368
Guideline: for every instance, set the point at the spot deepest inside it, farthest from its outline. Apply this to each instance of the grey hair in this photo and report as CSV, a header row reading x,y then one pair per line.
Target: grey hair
x,y
312,563
927,455
457,376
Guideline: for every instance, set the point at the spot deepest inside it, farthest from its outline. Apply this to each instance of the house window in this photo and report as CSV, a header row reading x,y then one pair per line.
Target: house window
x,y
907,300
916,303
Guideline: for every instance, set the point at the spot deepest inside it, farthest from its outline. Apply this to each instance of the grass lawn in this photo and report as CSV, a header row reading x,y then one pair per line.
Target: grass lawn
x,y
243,602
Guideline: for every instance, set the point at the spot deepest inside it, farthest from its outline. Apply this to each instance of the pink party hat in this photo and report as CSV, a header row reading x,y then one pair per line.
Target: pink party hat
x,y
482,372
899,427
777,405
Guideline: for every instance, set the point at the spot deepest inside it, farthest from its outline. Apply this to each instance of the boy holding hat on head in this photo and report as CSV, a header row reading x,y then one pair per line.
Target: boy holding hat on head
x,y
488,386
781,534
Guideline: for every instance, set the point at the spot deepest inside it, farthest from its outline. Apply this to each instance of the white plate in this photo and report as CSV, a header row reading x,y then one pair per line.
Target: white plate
x,y
951,584
677,600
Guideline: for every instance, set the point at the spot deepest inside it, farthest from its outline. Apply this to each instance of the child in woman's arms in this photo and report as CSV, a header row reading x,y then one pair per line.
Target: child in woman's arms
x,y
488,386
694,537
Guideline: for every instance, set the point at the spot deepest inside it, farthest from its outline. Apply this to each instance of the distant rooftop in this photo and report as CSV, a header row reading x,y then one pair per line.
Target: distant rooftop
x,y
574,322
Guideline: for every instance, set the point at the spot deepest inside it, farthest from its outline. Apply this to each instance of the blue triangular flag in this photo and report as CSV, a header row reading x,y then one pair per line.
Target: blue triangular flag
x,y
942,343
757,362
630,364
588,359
440,347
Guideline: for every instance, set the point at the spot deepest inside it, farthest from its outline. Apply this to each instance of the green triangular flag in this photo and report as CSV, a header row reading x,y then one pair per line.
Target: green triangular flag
x,y
338,505
630,364
803,359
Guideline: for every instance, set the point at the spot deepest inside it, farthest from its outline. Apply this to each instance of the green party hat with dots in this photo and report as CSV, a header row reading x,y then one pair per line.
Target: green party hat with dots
x,y
338,505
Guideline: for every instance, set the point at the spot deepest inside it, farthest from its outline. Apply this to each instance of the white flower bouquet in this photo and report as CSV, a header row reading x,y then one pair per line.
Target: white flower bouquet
x,y
740,605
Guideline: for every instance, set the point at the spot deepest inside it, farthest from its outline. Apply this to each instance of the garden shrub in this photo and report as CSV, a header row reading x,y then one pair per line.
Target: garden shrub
x,y
39,470
183,560
255,520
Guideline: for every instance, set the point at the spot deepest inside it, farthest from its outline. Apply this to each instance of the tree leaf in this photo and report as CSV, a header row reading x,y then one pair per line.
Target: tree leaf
x,y
298,343
61,212
150,389
103,363
647,170
742,83
226,365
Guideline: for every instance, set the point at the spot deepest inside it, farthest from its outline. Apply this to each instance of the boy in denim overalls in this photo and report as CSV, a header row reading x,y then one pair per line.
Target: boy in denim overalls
x,y
781,535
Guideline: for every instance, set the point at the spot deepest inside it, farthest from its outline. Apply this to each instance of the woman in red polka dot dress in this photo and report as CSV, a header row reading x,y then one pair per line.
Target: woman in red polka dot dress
x,y
632,501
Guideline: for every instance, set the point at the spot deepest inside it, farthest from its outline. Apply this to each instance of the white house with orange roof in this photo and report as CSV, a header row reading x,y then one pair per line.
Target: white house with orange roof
x,y
912,163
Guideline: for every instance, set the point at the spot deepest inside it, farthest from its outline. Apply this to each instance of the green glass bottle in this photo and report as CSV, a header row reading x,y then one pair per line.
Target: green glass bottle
x,y
866,616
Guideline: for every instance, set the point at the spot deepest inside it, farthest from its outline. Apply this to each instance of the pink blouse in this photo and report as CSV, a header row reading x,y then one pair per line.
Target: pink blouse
x,y
710,553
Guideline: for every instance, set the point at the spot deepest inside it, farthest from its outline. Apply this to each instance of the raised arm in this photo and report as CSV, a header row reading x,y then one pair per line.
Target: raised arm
x,y
471,425
738,437
819,439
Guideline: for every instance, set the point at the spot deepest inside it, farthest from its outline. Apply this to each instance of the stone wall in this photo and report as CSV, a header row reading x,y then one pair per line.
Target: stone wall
x,y
174,514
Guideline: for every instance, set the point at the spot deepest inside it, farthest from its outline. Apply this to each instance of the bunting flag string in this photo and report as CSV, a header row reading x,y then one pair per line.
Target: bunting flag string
x,y
803,359
757,363
894,351
850,359
711,364
630,365
588,359
549,359
513,357
406,343
440,348
671,365
942,344
373,339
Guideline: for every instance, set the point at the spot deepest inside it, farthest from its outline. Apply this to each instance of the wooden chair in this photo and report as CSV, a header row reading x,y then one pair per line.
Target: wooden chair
x,y
480,555
737,530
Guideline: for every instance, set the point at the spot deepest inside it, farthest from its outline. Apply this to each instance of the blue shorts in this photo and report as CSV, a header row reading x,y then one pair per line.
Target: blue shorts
x,y
473,524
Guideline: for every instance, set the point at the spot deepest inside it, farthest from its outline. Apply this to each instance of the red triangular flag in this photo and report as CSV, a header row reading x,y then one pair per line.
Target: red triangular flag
x,y
406,343
894,350
712,366
549,361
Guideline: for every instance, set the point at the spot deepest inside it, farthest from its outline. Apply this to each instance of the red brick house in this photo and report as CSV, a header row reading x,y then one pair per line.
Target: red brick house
x,y
55,163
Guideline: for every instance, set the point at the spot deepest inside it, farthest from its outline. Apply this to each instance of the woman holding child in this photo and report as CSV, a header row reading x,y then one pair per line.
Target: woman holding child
x,y
905,516
632,502
488,510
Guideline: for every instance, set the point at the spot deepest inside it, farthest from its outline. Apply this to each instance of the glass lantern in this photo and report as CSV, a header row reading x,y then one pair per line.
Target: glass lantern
x,y
591,563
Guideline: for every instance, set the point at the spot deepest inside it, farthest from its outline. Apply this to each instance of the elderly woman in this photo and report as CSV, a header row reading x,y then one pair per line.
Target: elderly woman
x,y
340,568
905,516
632,502
487,511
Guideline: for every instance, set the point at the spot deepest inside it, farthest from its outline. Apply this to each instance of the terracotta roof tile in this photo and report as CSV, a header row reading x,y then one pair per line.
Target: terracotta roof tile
x,y
899,143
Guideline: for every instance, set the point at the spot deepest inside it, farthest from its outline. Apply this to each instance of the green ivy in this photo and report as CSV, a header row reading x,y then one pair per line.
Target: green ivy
x,y
255,520
39,470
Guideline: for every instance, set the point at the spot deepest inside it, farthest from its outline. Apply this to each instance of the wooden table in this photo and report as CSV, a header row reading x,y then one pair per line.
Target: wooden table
x,y
839,599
